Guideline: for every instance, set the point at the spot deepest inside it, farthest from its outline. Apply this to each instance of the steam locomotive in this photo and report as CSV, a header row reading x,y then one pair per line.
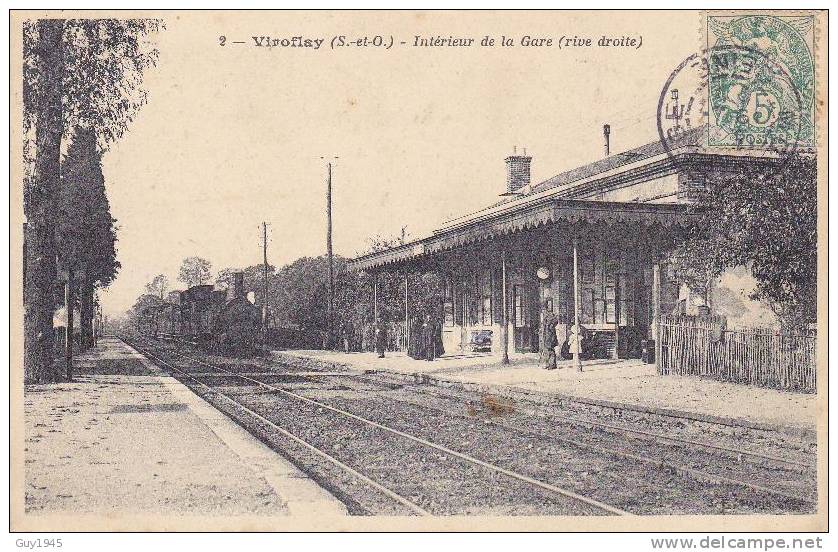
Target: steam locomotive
x,y
222,321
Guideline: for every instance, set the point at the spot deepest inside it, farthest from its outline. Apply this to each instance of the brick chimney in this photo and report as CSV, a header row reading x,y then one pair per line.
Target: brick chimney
x,y
517,171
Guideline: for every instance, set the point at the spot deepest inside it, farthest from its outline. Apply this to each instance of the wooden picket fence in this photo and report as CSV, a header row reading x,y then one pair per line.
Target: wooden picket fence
x,y
702,346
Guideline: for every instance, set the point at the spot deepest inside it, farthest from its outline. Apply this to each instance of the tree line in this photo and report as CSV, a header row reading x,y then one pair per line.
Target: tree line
x,y
298,295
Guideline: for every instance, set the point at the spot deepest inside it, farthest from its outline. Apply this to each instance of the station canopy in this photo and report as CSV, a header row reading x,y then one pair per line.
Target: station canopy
x,y
509,218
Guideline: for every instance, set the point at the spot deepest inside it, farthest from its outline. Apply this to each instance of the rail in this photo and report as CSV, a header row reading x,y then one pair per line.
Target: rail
x,y
465,457
386,491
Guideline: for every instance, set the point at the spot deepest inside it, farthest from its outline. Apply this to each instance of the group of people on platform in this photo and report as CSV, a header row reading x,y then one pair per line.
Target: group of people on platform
x,y
556,334
424,338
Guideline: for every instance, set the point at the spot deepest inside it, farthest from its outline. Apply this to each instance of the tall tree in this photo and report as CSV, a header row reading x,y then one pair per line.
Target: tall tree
x,y
301,292
42,91
195,271
78,73
86,234
224,279
105,61
158,286
145,311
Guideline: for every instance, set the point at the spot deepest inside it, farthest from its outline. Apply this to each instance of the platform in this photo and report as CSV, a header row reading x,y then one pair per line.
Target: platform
x,y
125,439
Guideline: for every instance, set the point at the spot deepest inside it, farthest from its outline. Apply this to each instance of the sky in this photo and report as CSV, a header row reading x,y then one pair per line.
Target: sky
x,y
235,135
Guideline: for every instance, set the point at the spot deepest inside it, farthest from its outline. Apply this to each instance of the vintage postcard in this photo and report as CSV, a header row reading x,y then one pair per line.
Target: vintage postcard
x,y
418,270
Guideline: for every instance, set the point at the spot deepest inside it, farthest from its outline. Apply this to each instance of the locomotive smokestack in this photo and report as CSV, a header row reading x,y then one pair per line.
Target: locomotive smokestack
x,y
606,134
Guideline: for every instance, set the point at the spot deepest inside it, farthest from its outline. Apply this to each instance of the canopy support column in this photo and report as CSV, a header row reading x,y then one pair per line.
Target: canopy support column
x,y
577,346
406,317
656,312
375,298
463,328
504,322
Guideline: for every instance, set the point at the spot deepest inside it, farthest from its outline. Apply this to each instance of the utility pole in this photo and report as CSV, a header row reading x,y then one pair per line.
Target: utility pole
x,y
577,347
68,328
330,309
265,282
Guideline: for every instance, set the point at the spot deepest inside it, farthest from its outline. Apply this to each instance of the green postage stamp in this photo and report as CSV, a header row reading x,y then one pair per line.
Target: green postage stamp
x,y
761,81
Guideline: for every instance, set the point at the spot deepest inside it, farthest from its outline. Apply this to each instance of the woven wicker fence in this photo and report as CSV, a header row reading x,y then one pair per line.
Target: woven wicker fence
x,y
702,346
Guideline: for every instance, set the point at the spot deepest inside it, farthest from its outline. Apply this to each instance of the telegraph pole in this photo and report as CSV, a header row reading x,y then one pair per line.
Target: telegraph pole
x,y
330,309
68,327
329,239
265,282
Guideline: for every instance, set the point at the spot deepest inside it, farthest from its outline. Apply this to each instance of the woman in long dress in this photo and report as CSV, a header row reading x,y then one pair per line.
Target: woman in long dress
x,y
429,338
576,337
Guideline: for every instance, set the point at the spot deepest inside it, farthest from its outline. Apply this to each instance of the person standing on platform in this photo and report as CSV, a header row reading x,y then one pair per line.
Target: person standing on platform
x,y
439,348
576,337
380,339
429,338
549,337
414,347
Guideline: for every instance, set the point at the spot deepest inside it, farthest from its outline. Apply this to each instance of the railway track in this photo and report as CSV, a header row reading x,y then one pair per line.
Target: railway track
x,y
740,454
767,474
714,487
679,459
782,486
552,497
798,458
794,450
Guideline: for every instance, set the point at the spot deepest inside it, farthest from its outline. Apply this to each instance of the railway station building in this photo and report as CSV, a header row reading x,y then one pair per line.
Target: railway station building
x,y
588,244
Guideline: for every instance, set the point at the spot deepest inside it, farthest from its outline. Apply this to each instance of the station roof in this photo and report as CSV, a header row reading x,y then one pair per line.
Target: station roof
x,y
689,139
547,202
550,210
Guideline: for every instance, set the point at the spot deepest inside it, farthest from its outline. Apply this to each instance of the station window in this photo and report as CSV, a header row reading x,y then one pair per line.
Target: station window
x,y
587,271
448,304
484,284
599,310
519,305
610,305
587,300
626,302
472,301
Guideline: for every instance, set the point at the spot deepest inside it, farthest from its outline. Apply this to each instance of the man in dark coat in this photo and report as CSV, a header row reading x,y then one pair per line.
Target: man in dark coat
x,y
549,338
380,339
439,348
414,346
429,338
